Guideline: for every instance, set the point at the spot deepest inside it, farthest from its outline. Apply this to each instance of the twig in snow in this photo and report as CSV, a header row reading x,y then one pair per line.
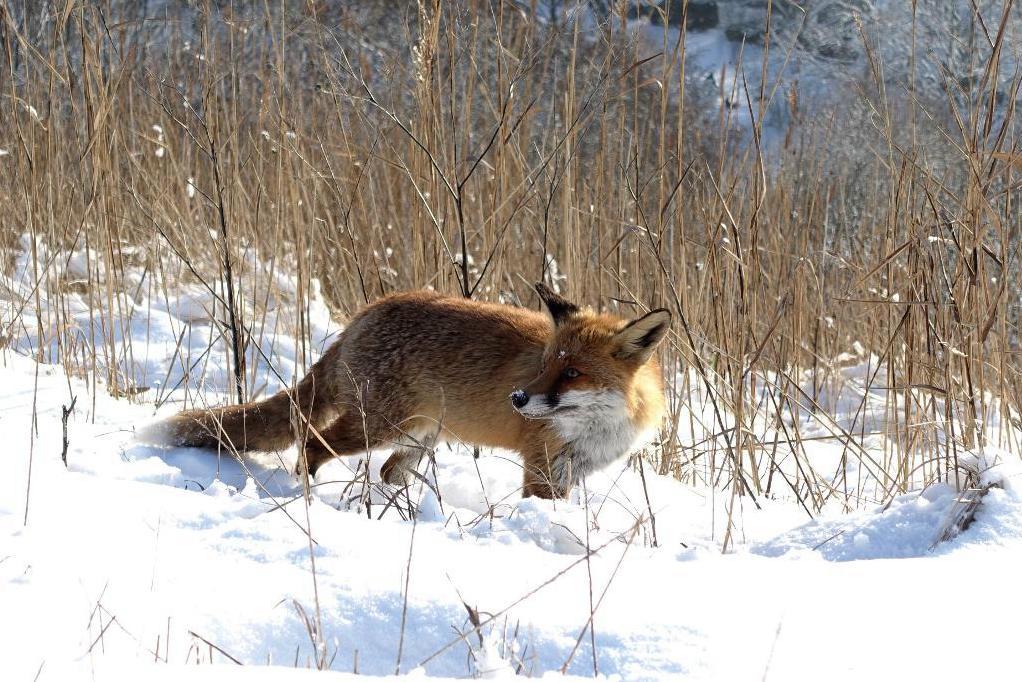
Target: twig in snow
x,y
102,632
649,506
210,644
835,535
31,443
963,513
404,604
629,533
589,577
65,412
593,607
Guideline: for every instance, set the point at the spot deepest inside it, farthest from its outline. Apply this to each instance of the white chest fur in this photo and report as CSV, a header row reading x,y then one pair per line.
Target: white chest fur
x,y
599,430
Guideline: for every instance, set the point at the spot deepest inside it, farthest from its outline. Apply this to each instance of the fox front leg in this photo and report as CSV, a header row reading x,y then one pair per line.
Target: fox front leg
x,y
539,479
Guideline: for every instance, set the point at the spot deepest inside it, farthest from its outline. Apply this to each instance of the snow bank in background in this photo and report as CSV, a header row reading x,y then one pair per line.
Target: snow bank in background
x,y
139,561
833,427
908,527
161,330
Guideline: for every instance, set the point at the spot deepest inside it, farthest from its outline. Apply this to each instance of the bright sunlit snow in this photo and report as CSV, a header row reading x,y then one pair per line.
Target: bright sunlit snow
x,y
140,562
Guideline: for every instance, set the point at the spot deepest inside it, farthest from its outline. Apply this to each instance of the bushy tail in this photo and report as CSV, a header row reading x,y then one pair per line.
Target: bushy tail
x,y
268,425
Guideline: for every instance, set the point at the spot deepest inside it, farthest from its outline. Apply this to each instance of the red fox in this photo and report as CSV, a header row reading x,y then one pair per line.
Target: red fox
x,y
571,390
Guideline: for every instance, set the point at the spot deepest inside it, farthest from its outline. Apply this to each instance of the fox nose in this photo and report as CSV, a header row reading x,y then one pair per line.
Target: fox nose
x,y
519,399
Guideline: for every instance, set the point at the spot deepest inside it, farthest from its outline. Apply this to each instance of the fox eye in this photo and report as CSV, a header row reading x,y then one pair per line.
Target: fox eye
x,y
570,373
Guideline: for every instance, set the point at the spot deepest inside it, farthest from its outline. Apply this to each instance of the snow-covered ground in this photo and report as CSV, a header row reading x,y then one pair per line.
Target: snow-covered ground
x,y
134,561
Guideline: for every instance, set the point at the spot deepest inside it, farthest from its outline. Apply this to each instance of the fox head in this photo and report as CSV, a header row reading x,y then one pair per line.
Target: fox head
x,y
598,372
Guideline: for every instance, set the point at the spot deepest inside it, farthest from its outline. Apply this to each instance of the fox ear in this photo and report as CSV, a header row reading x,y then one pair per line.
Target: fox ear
x,y
640,337
559,308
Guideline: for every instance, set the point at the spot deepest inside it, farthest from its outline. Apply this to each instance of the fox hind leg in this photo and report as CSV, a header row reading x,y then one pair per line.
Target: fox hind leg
x,y
347,435
397,469
405,459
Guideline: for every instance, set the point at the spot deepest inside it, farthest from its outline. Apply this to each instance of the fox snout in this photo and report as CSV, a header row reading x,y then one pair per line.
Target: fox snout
x,y
519,399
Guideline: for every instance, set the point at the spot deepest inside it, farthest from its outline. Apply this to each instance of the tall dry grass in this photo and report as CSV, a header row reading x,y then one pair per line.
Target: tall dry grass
x,y
477,147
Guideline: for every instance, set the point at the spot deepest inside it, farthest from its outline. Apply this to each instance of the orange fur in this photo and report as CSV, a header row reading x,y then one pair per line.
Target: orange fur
x,y
418,366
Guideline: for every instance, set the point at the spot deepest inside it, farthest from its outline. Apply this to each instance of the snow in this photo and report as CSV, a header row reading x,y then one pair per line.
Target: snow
x,y
141,561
